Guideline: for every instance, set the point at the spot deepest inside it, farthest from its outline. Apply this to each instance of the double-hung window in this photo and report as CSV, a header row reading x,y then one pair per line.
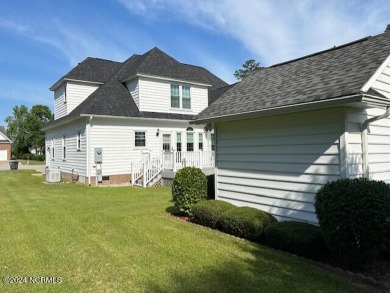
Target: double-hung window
x,y
65,96
52,148
78,139
186,97
64,147
201,141
175,96
178,142
190,141
140,139
180,96
212,141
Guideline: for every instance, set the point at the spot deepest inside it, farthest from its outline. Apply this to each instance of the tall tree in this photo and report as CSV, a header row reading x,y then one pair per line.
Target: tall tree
x,y
248,67
24,127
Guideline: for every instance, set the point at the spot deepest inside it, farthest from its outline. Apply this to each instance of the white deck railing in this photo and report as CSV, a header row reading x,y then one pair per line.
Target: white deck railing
x,y
177,160
147,169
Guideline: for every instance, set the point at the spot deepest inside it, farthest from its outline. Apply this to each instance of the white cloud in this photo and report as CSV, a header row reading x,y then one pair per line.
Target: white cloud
x,y
73,42
13,26
275,31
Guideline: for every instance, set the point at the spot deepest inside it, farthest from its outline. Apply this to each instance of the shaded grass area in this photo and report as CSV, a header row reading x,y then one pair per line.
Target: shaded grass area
x,y
31,162
122,240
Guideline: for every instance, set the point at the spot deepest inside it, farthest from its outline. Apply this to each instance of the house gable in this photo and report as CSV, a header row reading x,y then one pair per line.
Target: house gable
x,y
3,136
139,85
380,80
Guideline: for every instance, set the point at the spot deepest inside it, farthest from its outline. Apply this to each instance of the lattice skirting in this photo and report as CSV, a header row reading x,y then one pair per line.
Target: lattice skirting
x,y
163,182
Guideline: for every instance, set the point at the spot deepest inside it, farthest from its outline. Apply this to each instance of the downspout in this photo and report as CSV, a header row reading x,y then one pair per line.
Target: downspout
x,y
363,128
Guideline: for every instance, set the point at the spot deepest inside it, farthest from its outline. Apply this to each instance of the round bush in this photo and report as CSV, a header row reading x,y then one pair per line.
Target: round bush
x,y
296,237
189,187
245,222
207,212
354,215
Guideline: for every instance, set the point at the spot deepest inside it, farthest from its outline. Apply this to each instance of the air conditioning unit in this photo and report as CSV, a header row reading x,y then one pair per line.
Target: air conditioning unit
x,y
53,175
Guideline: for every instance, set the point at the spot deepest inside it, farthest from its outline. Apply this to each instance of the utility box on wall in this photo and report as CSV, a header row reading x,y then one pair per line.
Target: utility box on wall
x,y
98,155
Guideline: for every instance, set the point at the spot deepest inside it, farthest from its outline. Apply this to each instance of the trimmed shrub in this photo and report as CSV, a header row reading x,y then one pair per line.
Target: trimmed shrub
x,y
296,237
354,215
207,212
188,188
245,222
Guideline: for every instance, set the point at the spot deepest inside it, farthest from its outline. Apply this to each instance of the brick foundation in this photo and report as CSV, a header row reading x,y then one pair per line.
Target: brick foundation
x,y
107,180
6,146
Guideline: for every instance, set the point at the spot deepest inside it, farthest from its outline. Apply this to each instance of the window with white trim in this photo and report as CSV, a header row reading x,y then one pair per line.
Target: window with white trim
x,y
200,142
64,147
212,141
175,96
178,141
140,139
65,97
186,97
190,141
180,96
78,139
52,148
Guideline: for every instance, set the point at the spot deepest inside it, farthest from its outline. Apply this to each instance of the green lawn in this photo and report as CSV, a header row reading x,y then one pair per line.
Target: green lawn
x,y
124,240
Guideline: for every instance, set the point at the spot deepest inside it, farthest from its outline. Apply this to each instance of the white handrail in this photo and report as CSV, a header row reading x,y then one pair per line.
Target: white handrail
x,y
152,169
136,171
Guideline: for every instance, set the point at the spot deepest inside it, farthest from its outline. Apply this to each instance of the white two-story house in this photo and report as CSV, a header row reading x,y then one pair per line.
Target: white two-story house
x,y
125,122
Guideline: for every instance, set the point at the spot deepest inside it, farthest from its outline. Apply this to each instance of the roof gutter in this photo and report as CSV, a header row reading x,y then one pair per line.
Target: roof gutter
x,y
62,80
166,78
132,118
367,100
364,127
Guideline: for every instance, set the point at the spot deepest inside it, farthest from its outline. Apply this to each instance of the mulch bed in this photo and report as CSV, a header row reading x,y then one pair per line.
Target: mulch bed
x,y
379,270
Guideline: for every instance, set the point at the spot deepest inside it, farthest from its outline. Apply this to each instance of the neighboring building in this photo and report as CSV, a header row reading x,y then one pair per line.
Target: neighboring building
x,y
115,119
5,146
36,150
286,130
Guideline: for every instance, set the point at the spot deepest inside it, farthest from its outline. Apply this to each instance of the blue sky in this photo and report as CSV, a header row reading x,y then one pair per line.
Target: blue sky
x,y
40,41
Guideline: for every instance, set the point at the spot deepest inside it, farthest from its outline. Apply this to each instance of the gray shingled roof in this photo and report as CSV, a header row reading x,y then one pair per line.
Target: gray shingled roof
x,y
92,69
326,75
2,130
113,98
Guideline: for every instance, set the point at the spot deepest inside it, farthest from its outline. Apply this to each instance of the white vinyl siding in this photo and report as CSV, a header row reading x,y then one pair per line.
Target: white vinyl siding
x,y
60,107
133,87
277,164
77,92
378,145
75,159
117,139
382,83
155,96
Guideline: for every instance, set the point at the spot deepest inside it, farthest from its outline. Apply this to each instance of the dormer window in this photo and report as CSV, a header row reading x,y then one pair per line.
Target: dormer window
x,y
186,97
175,96
180,96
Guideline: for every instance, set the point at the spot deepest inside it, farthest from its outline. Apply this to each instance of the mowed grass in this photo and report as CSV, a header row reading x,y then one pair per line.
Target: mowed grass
x,y
124,240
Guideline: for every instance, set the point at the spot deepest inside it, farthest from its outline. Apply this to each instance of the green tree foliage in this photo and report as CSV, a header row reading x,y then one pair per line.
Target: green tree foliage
x,y
24,127
248,67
